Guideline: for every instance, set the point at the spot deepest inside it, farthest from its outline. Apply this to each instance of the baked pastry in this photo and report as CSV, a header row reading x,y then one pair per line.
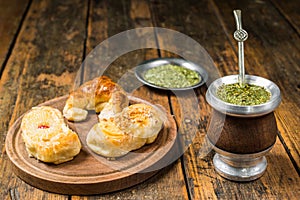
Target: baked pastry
x,y
94,95
135,126
121,128
47,137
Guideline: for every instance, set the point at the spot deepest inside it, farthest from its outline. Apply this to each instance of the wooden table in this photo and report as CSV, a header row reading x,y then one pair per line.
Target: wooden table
x,y
43,44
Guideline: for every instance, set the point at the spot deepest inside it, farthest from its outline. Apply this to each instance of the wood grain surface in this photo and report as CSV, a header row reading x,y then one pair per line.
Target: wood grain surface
x,y
46,41
216,16
11,16
44,54
242,135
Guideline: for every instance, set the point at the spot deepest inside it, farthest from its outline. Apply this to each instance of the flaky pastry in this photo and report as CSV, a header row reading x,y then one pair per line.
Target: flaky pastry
x,y
121,128
47,137
94,95
135,126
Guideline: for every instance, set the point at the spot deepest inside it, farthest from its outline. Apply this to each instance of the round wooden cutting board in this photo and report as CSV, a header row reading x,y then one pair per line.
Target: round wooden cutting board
x,y
89,173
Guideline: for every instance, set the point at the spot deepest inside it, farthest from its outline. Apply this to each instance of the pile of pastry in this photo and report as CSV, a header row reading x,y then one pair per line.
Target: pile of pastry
x,y
121,127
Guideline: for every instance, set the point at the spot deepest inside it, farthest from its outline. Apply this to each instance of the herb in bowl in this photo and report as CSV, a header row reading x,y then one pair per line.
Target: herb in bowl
x,y
172,76
247,95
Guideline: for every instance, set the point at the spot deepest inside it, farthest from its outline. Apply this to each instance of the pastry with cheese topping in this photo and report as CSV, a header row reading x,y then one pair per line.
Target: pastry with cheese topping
x,y
47,137
135,126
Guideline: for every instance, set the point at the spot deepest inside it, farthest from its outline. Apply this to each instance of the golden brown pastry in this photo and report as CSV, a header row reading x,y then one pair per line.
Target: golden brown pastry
x,y
47,137
121,128
135,126
94,95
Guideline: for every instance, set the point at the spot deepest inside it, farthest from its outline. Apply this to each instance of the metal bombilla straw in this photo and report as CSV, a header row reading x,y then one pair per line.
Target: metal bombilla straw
x,y
240,35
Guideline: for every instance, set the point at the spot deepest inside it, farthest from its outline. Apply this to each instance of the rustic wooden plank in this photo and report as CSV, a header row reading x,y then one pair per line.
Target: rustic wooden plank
x,y
215,36
42,65
108,18
271,39
199,172
11,16
203,182
290,10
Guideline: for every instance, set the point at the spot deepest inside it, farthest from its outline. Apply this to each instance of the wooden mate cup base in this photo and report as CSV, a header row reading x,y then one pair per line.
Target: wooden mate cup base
x,y
240,144
242,135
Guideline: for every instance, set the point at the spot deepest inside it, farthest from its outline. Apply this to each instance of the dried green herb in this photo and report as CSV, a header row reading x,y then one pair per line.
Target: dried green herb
x,y
247,95
172,76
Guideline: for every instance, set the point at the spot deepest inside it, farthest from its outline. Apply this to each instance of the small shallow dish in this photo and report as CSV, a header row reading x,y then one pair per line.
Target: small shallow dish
x,y
142,68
